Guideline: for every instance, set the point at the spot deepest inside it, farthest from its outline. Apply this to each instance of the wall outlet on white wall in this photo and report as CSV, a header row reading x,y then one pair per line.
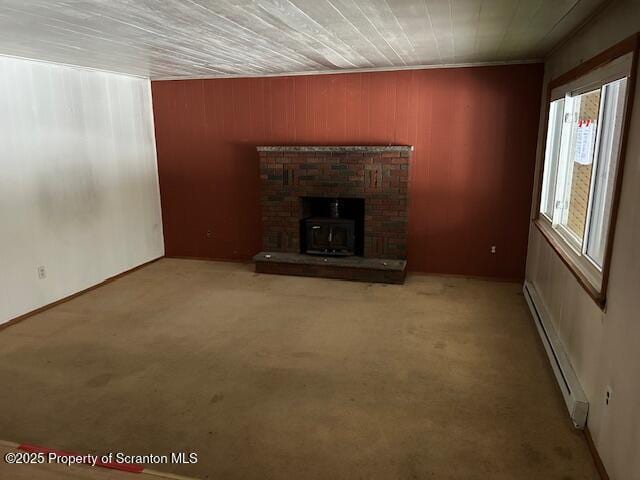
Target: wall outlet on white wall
x,y
42,272
608,394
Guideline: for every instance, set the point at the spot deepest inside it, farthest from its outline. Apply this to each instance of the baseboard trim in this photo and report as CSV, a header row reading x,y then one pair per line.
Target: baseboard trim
x,y
246,261
464,276
572,392
595,455
24,316
211,259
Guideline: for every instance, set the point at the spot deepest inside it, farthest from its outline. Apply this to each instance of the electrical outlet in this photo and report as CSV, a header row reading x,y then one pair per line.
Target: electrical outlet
x,y
493,249
42,272
608,394
209,233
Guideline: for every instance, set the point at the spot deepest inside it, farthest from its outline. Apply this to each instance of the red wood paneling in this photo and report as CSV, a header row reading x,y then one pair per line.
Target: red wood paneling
x,y
474,131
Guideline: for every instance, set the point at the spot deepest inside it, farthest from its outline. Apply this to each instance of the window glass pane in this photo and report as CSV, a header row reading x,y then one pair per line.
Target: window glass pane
x,y
580,129
554,130
605,168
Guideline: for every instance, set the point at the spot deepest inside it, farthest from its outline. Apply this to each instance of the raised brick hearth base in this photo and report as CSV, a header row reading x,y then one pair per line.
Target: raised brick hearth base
x,y
377,174
358,269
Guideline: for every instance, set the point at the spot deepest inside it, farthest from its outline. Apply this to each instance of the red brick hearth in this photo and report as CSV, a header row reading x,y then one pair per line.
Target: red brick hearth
x,y
378,175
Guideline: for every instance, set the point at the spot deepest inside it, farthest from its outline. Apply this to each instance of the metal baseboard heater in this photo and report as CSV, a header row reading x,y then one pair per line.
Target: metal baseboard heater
x,y
572,392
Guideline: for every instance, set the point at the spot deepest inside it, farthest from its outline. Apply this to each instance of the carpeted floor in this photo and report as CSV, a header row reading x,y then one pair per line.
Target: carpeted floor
x,y
273,377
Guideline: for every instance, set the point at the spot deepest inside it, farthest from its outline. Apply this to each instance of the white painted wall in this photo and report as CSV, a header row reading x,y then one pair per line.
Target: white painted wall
x,y
78,181
604,347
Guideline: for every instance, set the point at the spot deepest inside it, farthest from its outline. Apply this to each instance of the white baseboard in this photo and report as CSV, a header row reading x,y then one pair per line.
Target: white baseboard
x,y
572,391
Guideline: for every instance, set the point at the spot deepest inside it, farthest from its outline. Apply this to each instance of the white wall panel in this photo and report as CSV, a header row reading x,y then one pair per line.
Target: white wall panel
x,y
604,347
78,181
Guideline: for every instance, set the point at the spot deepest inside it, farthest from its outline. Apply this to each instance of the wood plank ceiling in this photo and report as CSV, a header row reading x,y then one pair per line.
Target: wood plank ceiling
x,y
190,38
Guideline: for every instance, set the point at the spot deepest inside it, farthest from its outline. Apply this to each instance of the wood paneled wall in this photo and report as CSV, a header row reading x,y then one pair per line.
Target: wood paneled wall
x,y
78,181
474,131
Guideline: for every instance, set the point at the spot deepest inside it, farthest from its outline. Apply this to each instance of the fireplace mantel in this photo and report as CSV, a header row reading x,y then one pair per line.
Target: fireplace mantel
x,y
337,148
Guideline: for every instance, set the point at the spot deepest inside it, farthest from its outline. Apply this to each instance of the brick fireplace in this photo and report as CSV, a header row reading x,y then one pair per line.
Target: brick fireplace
x,y
375,176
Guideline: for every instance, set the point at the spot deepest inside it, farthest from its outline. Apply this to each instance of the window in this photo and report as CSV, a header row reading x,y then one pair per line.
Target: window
x,y
581,162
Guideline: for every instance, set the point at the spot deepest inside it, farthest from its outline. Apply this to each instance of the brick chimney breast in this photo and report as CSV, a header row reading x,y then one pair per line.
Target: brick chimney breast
x,y
377,174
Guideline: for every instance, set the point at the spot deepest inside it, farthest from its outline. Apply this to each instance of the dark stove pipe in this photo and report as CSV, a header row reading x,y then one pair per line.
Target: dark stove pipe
x,y
334,208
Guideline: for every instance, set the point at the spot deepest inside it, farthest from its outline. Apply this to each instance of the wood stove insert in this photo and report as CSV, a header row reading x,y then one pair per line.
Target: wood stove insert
x,y
332,226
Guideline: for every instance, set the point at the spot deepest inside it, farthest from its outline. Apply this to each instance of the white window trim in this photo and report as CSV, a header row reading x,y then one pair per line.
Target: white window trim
x,y
594,175
553,145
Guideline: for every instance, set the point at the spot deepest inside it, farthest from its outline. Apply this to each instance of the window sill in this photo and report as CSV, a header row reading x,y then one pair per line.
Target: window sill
x,y
569,259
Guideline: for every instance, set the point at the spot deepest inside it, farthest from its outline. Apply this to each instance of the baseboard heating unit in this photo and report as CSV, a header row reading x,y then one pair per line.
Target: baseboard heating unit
x,y
572,391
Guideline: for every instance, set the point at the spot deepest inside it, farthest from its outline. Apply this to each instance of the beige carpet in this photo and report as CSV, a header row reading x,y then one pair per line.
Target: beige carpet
x,y
273,377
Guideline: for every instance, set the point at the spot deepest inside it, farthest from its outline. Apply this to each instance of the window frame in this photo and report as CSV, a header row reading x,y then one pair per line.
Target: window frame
x,y
593,280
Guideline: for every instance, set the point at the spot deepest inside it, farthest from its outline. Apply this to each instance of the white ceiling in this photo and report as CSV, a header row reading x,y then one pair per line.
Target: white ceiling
x,y
188,38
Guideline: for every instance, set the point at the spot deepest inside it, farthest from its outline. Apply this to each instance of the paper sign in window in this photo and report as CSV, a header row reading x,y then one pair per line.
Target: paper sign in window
x,y
585,141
